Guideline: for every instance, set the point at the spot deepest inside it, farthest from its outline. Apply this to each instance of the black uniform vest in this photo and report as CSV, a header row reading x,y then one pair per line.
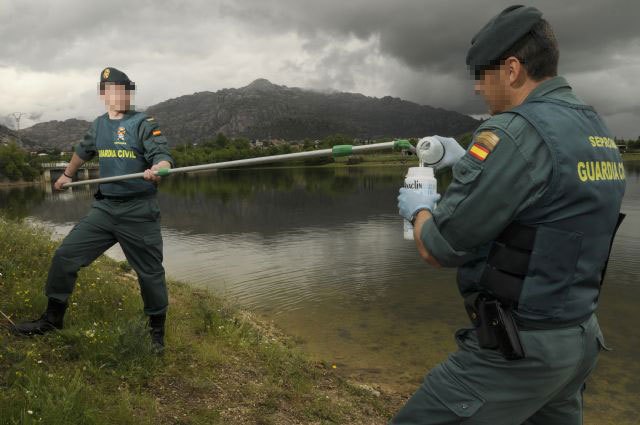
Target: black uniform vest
x,y
561,244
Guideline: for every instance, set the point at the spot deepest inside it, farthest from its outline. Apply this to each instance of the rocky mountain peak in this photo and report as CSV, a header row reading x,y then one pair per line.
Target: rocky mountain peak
x,y
261,84
264,110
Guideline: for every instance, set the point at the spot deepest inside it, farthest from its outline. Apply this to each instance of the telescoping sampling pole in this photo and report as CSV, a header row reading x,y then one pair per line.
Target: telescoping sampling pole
x,y
336,151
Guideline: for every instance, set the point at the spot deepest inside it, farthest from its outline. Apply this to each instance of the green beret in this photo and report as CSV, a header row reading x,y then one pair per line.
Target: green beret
x,y
499,34
113,75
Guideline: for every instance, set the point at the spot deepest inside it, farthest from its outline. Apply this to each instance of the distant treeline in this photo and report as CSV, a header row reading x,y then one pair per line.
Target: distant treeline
x,y
632,145
16,164
222,148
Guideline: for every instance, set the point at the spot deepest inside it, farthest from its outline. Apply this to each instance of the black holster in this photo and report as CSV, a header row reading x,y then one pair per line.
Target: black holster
x,y
495,326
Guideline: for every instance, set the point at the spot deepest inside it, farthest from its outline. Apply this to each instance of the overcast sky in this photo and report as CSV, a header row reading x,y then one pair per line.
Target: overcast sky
x,y
52,51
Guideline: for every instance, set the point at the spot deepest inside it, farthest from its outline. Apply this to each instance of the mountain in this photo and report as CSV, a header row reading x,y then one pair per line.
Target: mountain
x,y
7,136
263,110
61,135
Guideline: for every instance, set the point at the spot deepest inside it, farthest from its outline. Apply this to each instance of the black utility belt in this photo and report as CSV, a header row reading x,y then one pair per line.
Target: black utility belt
x,y
100,196
495,325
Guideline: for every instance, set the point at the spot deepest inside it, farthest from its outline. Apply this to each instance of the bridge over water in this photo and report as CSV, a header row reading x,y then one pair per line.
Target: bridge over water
x,y
53,170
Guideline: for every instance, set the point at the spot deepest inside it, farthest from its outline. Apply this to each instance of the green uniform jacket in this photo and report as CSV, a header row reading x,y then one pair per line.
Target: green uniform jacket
x,y
518,181
128,145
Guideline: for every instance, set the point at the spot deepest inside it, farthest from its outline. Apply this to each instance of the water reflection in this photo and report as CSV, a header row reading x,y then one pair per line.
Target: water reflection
x,y
18,202
320,251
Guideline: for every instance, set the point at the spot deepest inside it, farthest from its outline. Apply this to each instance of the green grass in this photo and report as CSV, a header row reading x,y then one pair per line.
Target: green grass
x,y
221,366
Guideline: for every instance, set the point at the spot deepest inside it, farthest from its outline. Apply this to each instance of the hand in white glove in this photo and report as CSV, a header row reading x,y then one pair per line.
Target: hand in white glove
x,y
411,201
432,156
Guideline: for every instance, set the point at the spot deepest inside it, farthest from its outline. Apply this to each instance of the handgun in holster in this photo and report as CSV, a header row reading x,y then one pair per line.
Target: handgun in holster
x,y
495,326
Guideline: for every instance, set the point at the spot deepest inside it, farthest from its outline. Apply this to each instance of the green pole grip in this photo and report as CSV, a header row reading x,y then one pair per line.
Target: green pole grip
x,y
163,172
402,144
341,150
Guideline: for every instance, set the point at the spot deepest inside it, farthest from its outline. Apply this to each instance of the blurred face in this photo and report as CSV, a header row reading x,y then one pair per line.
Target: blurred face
x,y
116,97
494,85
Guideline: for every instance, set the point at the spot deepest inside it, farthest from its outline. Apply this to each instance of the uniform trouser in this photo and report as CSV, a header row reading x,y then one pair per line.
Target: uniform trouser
x,y
135,225
478,386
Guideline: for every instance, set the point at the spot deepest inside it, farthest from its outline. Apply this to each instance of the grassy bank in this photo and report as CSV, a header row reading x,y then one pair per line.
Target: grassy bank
x,y
221,366
631,156
19,183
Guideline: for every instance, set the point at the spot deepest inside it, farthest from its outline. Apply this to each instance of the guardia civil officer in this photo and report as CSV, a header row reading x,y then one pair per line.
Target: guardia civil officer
x,y
126,212
528,220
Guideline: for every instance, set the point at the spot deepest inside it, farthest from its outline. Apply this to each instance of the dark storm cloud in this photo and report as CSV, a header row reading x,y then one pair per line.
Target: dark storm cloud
x,y
414,49
432,38
436,34
61,34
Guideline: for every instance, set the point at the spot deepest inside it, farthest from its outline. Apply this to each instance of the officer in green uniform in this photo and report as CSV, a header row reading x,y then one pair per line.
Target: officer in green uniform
x,y
528,219
125,212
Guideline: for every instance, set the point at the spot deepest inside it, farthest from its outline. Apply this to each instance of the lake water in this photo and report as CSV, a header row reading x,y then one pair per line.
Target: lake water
x,y
319,251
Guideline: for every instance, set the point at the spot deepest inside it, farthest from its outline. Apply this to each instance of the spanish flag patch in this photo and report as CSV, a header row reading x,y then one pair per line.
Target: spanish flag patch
x,y
156,132
483,144
479,152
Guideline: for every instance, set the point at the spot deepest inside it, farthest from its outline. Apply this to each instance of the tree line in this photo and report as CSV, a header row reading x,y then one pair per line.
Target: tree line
x,y
632,145
222,148
16,164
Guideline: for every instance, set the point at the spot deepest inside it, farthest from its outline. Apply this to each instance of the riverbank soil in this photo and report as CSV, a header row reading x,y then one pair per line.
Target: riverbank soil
x,y
221,366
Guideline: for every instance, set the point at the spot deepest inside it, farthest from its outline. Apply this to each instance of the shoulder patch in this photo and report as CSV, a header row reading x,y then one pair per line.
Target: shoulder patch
x,y
479,152
487,139
483,144
156,132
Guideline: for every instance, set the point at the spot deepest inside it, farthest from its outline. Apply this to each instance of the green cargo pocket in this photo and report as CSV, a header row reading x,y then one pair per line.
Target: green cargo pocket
x,y
154,209
456,396
153,243
154,239
552,266
465,171
601,344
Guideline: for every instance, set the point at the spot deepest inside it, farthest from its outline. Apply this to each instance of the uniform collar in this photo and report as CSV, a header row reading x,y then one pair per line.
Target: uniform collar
x,y
547,87
125,115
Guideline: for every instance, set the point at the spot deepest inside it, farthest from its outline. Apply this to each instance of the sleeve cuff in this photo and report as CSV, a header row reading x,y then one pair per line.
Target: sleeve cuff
x,y
158,158
440,249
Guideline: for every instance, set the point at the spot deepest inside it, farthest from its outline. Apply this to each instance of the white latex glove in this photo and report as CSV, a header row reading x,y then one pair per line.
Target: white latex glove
x,y
431,155
411,201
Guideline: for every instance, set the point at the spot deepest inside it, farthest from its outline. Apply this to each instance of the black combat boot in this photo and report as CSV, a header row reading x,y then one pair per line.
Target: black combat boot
x,y
49,321
156,325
